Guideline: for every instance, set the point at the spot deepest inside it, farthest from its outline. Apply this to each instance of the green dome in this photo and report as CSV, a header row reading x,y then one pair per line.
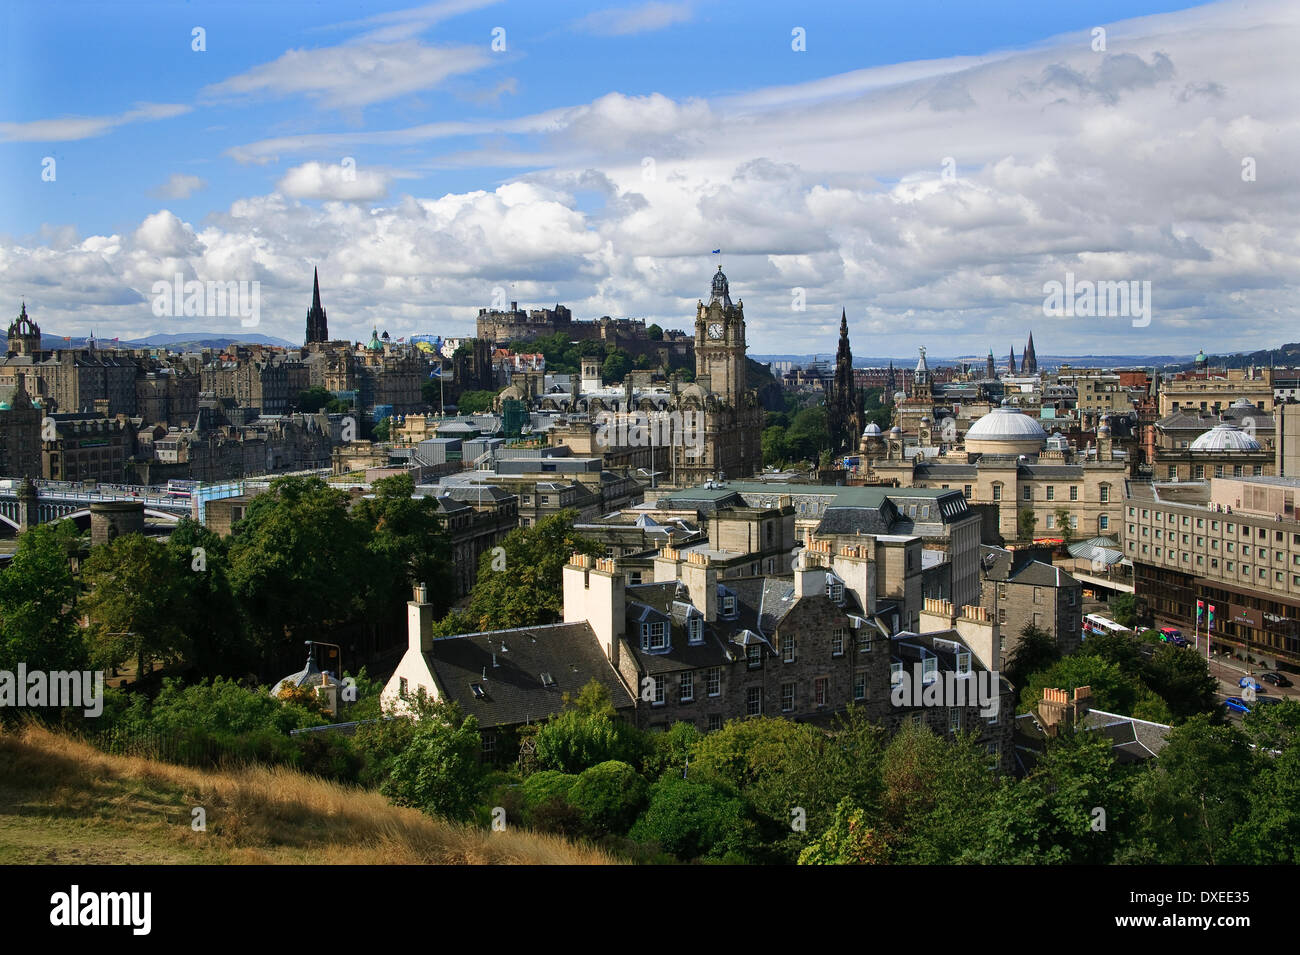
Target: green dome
x,y
374,344
4,406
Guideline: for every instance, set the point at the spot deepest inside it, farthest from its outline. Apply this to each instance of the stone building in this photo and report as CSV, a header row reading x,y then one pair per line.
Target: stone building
x,y
20,431
1019,589
88,448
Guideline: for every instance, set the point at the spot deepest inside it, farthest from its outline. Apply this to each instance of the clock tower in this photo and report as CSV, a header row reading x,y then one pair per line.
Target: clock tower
x,y
720,342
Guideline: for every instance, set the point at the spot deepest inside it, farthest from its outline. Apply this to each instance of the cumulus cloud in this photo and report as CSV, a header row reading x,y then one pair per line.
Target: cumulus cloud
x,y
316,180
179,186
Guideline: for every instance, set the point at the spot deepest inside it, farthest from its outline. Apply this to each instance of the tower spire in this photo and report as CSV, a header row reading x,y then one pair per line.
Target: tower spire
x,y
317,327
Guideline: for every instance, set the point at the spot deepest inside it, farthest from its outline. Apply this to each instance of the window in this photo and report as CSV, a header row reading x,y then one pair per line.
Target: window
x,y
660,684
754,656
821,687
929,670
654,636
954,719
1105,497
997,492
754,701
713,681
1051,493
837,642
1028,493
715,721
401,686
787,649
835,590
729,605
688,687
864,639
1103,523
787,697
963,662
965,489
895,673
633,578
1074,492
489,746
860,685
695,627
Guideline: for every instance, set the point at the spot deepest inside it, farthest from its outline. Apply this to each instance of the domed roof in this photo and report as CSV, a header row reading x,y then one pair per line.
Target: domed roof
x,y
1005,424
895,430
374,344
872,430
1243,402
1225,437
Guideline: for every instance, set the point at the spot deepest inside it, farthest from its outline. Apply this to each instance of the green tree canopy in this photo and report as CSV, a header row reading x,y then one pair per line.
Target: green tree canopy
x,y
37,596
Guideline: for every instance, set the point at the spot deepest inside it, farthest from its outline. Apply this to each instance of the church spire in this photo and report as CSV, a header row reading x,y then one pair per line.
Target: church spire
x,y
317,328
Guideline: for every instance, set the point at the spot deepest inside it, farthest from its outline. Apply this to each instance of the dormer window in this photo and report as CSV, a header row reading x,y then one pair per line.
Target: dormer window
x,y
695,629
895,674
754,654
929,670
654,636
835,590
728,605
963,663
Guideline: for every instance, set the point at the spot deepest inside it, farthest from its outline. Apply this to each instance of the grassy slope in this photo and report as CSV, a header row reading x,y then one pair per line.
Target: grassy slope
x,y
64,802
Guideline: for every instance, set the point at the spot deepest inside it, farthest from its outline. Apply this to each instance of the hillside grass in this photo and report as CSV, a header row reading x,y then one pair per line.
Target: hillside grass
x,y
64,802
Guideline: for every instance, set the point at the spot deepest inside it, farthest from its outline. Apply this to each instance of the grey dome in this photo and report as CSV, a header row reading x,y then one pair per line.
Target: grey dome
x,y
871,431
1005,424
1225,437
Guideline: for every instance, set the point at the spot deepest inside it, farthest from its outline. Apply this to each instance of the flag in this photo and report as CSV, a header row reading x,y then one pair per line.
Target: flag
x,y
402,339
1200,610
716,251
67,338
435,372
1210,623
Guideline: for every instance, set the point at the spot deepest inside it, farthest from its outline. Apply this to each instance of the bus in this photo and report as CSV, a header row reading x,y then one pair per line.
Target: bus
x,y
182,488
1095,623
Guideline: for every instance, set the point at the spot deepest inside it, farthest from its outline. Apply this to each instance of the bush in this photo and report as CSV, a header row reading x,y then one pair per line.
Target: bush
x,y
573,741
696,820
608,795
545,786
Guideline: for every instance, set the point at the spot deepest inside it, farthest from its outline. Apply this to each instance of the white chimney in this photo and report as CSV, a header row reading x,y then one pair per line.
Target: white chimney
x,y
419,620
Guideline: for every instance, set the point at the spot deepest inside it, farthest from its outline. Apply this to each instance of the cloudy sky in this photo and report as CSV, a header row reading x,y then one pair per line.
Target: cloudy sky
x,y
927,166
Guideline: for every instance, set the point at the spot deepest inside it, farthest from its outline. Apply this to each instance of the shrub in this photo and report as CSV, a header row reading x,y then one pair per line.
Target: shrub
x,y
608,795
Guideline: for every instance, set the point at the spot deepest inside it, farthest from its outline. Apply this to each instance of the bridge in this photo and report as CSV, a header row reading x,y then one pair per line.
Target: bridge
x,y
60,500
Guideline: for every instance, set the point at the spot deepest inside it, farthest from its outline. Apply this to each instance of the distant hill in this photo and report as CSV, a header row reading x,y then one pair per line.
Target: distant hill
x,y
65,802
183,341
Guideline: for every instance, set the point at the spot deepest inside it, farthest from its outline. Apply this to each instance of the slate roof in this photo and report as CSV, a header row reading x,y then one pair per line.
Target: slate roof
x,y
1132,740
513,689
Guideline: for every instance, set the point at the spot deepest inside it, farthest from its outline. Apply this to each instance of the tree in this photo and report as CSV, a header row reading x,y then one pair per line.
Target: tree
x,y
1113,690
407,544
655,333
381,429
1026,521
439,771
1271,831
132,603
431,393
1123,609
848,841
313,400
1195,793
475,402
1036,650
296,561
609,796
218,642
697,819
1063,524
572,741
616,367
592,700
529,590
1182,679
37,594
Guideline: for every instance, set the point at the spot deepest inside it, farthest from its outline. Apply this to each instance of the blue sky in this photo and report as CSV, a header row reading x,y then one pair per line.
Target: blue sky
x,y
526,168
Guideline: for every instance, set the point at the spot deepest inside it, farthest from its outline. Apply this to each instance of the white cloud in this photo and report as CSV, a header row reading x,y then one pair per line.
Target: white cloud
x,y
354,74
179,186
316,180
69,128
643,18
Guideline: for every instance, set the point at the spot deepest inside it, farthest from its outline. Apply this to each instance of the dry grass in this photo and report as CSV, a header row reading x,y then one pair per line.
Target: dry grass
x,y
63,801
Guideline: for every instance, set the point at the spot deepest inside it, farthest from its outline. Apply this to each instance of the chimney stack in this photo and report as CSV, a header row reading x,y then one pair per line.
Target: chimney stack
x,y
419,620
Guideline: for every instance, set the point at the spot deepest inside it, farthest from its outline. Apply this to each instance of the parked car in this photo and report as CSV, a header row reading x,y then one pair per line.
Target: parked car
x,y
1275,678
1250,683
1167,634
1236,703
1271,700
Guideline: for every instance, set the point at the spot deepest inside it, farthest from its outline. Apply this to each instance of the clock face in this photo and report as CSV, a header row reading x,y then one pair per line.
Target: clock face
x,y
715,330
